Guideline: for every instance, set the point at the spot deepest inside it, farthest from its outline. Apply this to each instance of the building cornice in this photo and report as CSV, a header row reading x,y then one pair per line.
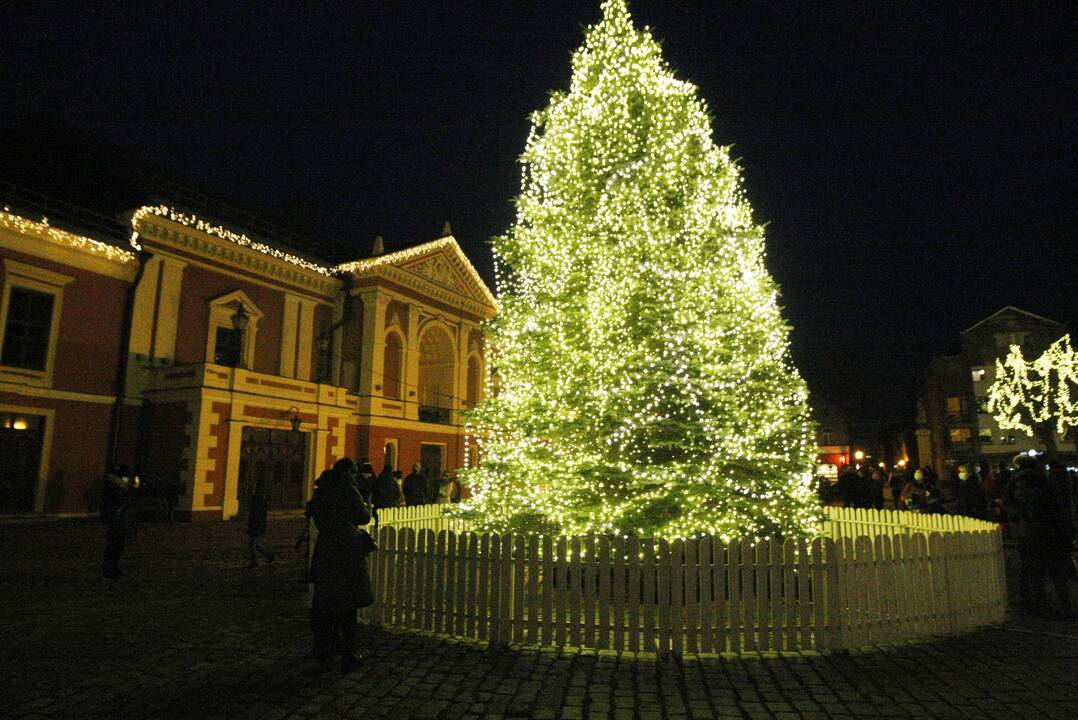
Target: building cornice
x,y
39,239
161,225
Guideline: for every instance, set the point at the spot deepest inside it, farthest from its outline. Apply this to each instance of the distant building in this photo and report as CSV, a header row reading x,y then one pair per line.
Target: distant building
x,y
956,423
204,359
832,438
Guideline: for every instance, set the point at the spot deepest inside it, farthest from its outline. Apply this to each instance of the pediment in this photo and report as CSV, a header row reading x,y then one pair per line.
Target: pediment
x,y
440,263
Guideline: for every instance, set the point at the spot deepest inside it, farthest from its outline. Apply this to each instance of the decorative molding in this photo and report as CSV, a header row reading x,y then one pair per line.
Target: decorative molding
x,y
255,258
429,277
67,248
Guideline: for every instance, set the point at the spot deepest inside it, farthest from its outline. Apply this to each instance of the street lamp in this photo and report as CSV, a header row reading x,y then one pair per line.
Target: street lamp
x,y
295,418
858,455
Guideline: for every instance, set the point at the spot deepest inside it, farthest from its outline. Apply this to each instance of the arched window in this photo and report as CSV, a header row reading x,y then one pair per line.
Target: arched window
x,y
472,393
436,368
391,367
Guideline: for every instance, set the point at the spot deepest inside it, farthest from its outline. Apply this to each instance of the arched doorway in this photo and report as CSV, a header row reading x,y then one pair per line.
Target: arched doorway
x,y
436,369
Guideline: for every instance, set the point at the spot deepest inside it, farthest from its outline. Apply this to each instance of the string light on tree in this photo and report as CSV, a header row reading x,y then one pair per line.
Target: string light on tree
x,y
643,363
1039,398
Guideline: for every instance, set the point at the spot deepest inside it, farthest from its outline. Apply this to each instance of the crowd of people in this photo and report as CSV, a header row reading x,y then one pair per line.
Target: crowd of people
x,y
1035,500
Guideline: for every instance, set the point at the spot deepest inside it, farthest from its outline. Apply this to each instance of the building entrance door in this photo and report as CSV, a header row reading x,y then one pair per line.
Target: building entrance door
x,y
21,438
279,459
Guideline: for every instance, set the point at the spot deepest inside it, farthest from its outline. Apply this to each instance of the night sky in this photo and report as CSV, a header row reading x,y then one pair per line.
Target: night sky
x,y
915,162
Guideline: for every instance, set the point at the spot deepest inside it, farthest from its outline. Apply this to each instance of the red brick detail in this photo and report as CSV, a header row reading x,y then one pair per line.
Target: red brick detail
x,y
218,454
331,441
351,441
275,414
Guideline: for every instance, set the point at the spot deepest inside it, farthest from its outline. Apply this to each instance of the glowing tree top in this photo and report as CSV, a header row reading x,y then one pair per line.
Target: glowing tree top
x,y
644,377
1037,397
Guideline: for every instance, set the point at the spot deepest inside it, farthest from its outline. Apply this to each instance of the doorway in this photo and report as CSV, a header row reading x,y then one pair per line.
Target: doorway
x,y
279,459
21,439
431,457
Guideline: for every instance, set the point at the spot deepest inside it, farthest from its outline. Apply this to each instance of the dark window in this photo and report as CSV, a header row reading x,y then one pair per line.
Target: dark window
x,y
26,337
226,350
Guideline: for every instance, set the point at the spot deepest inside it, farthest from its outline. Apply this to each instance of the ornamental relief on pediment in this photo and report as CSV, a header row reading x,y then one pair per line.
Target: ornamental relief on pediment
x,y
439,270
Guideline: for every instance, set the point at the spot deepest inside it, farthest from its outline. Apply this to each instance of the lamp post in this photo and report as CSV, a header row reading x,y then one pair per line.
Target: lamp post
x,y
239,324
295,419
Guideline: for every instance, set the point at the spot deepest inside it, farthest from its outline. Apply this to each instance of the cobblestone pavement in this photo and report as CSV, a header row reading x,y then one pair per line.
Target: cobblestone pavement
x,y
191,632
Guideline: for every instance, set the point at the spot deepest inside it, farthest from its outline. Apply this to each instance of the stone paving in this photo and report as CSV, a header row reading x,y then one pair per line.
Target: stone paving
x,y
192,633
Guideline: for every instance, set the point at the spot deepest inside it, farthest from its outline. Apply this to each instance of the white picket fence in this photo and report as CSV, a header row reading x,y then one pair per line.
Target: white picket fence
x,y
871,579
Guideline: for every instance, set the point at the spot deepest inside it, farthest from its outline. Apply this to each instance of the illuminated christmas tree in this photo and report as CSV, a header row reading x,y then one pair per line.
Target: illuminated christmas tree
x,y
1040,398
645,384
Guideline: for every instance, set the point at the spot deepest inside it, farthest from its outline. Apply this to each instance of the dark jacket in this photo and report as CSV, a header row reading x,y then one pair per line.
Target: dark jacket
x,y
386,492
972,501
257,510
1038,502
339,567
415,489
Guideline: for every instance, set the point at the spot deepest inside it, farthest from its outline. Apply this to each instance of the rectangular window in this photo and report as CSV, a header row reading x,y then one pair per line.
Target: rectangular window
x,y
956,408
985,435
26,335
978,374
227,347
960,435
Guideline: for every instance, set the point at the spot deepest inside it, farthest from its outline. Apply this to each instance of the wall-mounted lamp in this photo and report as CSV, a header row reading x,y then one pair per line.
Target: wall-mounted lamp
x,y
295,418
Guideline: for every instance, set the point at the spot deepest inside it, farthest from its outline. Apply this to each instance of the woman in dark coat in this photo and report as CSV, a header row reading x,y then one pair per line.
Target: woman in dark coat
x,y
339,565
257,512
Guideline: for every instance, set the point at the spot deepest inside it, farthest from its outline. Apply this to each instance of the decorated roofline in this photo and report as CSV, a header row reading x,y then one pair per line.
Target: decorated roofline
x,y
216,230
42,228
355,267
359,267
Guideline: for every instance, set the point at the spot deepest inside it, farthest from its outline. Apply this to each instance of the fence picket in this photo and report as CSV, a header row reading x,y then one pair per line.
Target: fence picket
x,y
618,569
632,551
677,597
719,590
468,567
704,565
589,591
804,604
548,591
762,594
490,614
820,594
789,594
561,570
691,599
663,563
532,576
576,585
733,572
833,589
602,566
509,621
443,594
775,592
748,575
519,588
427,589
650,584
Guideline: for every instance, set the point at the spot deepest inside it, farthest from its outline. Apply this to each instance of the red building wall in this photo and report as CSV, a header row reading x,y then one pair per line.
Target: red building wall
x,y
91,322
199,287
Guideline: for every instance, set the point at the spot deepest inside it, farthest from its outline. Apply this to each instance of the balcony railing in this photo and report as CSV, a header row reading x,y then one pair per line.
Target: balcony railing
x,y
434,414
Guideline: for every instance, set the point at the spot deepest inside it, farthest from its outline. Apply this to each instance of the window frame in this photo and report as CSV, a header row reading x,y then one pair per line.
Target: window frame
x,y
220,315
34,279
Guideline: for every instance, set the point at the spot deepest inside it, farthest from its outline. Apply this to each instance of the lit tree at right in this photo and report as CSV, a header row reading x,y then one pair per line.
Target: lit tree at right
x,y
1038,397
